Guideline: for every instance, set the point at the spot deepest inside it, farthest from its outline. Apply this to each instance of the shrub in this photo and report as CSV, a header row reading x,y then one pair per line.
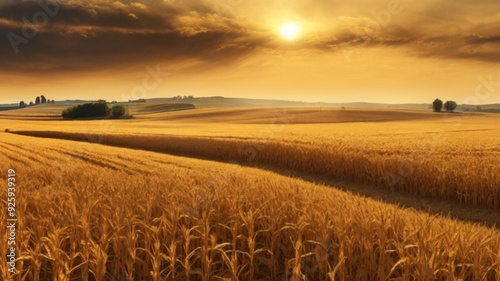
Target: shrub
x,y
87,110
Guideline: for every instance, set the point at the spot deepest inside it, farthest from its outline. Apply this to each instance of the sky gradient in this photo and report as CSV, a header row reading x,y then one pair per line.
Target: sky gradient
x,y
394,51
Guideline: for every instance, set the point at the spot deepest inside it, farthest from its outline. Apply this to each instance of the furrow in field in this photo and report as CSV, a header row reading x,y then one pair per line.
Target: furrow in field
x,y
107,162
59,164
12,156
21,153
30,150
171,163
143,165
90,160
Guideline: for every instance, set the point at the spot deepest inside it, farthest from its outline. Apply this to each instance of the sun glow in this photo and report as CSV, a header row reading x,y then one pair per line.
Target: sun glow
x,y
290,31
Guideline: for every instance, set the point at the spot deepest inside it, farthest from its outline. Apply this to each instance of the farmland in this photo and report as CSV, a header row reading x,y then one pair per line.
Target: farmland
x,y
453,158
243,194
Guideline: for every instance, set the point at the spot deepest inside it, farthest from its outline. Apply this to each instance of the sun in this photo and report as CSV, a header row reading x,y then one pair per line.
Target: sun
x,y
290,31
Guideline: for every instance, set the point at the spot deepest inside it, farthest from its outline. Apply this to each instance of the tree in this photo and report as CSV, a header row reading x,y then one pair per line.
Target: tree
x,y
437,105
119,111
22,104
450,105
44,100
31,103
37,100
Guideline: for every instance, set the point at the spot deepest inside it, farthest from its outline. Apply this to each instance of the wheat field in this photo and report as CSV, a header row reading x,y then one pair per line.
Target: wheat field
x,y
103,213
452,158
108,200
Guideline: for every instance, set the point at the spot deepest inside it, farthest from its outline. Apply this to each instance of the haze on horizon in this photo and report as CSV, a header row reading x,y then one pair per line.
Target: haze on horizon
x,y
392,51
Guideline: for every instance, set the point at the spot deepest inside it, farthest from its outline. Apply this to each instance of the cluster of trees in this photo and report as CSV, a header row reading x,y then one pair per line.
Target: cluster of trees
x,y
95,110
39,100
438,105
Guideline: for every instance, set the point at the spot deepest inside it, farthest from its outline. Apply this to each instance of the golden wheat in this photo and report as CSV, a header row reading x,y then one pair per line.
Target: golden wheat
x,y
451,157
100,213
454,170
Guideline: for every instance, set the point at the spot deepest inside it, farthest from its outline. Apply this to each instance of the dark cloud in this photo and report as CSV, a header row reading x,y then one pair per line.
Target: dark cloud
x,y
100,35
472,41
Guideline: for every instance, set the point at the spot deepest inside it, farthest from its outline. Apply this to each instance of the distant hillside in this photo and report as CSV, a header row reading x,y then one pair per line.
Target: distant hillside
x,y
243,102
290,115
53,111
219,101
230,102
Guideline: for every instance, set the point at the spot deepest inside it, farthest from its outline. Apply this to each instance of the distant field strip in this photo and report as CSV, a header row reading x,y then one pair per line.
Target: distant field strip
x,y
291,115
185,113
190,219
470,180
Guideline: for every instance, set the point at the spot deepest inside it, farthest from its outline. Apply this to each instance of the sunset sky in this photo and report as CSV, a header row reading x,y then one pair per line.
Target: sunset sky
x,y
394,51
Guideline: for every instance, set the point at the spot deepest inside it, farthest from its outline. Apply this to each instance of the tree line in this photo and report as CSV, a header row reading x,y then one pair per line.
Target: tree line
x,y
99,109
39,100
